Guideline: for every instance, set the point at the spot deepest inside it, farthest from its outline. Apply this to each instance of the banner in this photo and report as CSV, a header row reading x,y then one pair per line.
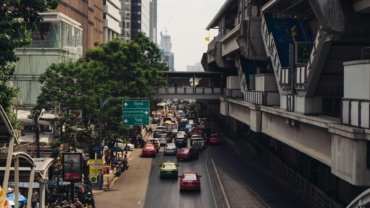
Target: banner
x,y
94,167
3,200
72,167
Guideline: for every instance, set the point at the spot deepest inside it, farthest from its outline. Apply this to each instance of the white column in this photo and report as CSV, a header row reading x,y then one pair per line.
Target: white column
x,y
8,164
30,187
16,181
42,194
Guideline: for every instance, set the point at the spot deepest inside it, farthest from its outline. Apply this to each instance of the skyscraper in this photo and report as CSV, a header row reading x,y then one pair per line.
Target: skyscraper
x,y
167,55
126,20
153,21
140,17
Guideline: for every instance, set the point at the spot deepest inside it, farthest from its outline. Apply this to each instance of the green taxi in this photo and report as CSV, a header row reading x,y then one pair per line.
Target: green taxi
x,y
168,169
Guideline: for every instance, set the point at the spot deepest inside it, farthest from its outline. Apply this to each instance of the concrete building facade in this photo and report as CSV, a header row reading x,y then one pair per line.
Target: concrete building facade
x,y
112,19
305,88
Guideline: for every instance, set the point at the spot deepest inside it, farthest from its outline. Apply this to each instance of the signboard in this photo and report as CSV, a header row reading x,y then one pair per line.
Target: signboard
x,y
94,167
135,112
303,52
72,167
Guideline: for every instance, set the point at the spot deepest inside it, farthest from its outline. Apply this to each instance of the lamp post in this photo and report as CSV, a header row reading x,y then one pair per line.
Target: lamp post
x,y
37,131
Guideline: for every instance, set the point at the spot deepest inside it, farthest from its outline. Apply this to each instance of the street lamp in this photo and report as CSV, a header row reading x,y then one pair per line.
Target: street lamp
x,y
37,131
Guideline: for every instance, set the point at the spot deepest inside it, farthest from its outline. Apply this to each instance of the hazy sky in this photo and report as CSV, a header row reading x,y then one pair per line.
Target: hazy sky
x,y
186,22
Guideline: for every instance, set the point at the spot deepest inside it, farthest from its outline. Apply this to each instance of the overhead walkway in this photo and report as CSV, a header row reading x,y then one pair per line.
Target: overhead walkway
x,y
195,85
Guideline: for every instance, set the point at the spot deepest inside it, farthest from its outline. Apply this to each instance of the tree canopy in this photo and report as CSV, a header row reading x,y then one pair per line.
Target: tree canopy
x,y
116,69
17,19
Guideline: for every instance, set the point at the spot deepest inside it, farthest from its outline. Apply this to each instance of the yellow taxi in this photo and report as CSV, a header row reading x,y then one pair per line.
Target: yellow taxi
x,y
168,169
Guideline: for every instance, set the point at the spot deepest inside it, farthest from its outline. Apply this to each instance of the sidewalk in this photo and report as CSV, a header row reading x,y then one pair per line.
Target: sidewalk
x,y
112,177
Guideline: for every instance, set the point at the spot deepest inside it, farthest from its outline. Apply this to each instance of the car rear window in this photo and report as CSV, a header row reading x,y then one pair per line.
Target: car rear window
x,y
169,166
190,177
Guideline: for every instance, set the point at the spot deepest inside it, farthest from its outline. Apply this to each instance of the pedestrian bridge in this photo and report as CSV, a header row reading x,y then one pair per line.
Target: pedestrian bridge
x,y
195,85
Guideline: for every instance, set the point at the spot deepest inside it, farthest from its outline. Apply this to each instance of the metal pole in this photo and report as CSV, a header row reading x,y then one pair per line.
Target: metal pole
x,y
8,164
100,120
16,181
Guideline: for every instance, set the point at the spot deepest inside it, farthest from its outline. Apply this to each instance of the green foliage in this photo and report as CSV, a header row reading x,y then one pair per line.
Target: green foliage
x,y
17,18
113,70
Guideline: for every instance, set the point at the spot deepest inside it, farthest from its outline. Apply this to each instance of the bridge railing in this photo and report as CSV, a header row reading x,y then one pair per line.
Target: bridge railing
x,y
355,112
189,90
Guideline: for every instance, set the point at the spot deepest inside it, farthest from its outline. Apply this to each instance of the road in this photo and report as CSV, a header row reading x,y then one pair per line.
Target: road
x,y
244,181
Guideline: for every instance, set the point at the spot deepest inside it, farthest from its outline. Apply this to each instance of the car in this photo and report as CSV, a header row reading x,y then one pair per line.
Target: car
x,y
155,142
149,150
170,149
168,169
197,141
161,136
181,142
187,154
215,139
190,181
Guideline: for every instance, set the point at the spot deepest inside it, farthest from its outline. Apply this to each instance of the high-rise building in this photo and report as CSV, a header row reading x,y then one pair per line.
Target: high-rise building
x,y
167,56
153,21
140,17
126,20
112,19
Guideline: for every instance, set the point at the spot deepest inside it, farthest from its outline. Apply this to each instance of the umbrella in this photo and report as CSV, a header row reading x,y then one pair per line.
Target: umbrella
x,y
21,199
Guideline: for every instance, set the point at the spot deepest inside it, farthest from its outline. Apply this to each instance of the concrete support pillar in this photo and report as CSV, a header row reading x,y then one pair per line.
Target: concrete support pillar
x,y
8,164
42,194
29,194
16,182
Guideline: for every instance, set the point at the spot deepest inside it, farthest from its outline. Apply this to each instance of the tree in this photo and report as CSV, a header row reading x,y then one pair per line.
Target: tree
x,y
17,19
112,70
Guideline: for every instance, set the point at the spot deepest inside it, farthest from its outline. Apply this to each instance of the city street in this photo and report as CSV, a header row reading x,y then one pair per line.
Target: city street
x,y
245,183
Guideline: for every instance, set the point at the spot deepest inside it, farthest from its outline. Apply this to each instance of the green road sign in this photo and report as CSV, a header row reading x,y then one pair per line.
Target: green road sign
x,y
135,112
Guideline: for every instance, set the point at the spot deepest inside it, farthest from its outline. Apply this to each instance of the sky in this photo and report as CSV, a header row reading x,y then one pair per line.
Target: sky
x,y
186,21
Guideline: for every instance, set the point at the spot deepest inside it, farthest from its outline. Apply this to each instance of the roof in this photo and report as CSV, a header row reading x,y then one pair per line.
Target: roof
x,y
219,14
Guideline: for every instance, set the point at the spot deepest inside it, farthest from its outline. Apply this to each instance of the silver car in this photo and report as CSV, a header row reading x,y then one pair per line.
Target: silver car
x,y
170,149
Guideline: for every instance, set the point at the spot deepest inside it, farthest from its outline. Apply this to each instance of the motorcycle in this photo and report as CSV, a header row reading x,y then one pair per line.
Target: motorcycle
x,y
89,200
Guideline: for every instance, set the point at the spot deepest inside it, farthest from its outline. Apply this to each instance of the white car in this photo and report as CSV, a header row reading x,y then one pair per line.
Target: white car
x,y
170,149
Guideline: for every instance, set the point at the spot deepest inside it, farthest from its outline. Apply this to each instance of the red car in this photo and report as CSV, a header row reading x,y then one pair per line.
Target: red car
x,y
190,181
215,139
186,154
149,150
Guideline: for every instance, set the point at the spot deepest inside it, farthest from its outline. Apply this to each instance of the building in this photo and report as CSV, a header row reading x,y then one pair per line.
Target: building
x,y
59,39
90,15
140,17
167,55
112,19
153,21
126,20
303,71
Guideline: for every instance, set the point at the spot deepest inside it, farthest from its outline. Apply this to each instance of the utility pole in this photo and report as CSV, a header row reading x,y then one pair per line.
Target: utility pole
x,y
37,131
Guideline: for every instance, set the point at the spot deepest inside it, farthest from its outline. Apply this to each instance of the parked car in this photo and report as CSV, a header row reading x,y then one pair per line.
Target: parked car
x,y
168,169
149,150
190,181
170,149
186,154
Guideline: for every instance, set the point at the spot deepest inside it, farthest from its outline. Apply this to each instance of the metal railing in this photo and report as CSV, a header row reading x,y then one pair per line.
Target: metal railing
x,y
256,97
355,112
189,90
